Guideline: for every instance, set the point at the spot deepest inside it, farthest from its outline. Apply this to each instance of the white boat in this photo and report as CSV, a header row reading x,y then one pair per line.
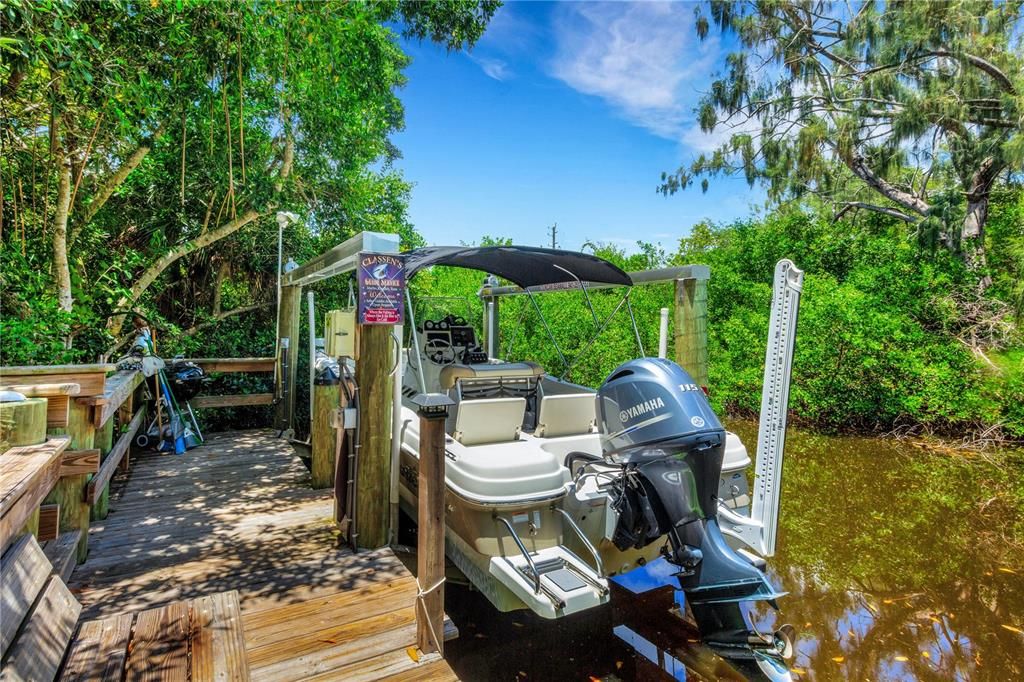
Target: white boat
x,y
553,488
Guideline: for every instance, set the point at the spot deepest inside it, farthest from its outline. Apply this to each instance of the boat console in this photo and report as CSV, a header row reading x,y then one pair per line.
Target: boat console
x,y
452,340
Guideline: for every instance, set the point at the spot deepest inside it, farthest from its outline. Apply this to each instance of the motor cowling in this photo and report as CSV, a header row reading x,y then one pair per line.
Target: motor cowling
x,y
656,423
654,402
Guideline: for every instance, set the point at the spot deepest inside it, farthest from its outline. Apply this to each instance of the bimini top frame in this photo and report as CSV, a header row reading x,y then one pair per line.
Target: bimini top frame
x,y
638,277
524,266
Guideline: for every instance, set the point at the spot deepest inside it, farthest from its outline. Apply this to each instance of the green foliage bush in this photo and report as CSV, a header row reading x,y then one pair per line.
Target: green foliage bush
x,y
875,351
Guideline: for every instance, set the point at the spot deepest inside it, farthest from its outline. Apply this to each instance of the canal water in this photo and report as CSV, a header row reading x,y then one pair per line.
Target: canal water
x,y
902,562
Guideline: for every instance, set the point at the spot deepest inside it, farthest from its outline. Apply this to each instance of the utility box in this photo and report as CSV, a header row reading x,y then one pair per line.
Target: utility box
x,y
341,333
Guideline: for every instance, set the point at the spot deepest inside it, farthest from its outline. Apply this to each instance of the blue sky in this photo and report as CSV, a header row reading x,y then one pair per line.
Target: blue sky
x,y
563,112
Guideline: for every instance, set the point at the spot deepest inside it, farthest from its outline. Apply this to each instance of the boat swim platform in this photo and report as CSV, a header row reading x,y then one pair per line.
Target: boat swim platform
x,y
237,513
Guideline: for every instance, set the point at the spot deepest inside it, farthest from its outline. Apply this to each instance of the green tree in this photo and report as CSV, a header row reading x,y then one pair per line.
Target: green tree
x,y
911,109
145,145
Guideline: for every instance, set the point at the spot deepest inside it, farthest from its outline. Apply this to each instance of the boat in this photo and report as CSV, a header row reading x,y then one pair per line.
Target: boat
x,y
554,488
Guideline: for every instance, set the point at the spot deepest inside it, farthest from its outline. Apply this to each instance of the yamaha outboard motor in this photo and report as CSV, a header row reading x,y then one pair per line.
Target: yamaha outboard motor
x,y
656,423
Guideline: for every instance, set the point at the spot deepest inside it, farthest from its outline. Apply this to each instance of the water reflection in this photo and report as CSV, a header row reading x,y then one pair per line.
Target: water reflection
x,y
900,563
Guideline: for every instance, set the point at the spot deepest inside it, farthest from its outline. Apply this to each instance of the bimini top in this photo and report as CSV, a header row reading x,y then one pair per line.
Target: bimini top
x,y
525,266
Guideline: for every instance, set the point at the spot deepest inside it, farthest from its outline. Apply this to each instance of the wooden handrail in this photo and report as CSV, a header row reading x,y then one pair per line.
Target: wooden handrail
x,y
205,402
118,388
32,471
99,482
234,364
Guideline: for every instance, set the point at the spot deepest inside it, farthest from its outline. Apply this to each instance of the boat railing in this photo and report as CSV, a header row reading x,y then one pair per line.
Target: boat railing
x,y
583,538
522,549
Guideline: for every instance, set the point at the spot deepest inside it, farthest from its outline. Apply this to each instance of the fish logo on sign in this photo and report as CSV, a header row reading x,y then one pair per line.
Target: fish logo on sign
x,y
380,271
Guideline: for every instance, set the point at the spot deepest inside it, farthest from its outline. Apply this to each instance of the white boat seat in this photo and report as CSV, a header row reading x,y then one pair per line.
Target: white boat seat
x,y
499,370
569,414
489,420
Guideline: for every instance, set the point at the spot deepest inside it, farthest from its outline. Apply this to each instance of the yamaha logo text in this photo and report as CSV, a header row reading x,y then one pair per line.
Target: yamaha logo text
x,y
639,409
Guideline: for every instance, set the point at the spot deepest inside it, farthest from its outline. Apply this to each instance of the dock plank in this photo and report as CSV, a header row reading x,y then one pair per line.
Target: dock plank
x,y
100,650
63,553
159,650
218,647
39,648
237,514
23,572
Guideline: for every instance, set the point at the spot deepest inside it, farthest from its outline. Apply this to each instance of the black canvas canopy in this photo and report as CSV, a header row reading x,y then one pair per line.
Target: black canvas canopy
x,y
525,266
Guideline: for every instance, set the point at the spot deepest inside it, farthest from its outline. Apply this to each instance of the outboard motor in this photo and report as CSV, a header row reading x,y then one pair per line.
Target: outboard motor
x,y
657,425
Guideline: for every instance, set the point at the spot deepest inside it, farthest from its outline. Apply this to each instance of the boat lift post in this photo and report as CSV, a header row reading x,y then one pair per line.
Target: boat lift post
x,y
373,376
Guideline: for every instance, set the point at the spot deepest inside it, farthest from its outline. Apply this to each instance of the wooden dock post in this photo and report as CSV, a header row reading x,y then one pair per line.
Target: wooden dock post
x,y
324,436
104,441
23,423
691,327
432,410
373,483
288,328
69,492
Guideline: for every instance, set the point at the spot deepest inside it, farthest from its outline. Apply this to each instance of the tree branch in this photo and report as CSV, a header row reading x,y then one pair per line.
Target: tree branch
x,y
856,163
111,184
885,210
224,315
982,64
157,268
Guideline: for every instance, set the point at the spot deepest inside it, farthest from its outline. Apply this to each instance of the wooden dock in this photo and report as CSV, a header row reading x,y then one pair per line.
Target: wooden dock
x,y
238,514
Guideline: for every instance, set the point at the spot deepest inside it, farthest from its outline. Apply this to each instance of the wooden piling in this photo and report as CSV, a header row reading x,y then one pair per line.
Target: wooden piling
x,y
22,423
324,436
69,492
430,549
373,482
288,328
104,441
691,330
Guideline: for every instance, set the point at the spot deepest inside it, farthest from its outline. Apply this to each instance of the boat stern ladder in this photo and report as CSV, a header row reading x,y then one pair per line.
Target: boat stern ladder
x,y
553,582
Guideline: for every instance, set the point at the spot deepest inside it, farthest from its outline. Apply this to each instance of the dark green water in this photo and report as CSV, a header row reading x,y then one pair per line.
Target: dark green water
x,y
900,563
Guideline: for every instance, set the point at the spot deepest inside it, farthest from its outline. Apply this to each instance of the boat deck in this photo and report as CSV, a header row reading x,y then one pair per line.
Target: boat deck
x,y
237,514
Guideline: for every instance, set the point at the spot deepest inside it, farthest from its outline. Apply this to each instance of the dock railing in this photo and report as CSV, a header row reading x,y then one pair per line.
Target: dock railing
x,y
84,423
233,365
59,458
48,489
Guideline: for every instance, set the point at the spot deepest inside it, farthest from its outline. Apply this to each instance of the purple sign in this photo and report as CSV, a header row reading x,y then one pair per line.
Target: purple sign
x,y
381,288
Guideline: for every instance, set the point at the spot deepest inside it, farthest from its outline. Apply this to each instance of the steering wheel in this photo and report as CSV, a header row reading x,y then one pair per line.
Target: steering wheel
x,y
439,352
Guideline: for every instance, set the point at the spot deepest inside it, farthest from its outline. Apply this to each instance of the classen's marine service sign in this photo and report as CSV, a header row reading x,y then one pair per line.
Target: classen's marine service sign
x,y
381,288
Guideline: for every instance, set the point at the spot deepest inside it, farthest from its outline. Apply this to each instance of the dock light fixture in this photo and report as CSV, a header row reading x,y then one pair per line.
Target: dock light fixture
x,y
432,405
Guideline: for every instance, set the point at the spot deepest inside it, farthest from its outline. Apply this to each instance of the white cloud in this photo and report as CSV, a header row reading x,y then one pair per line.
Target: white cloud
x,y
642,58
494,68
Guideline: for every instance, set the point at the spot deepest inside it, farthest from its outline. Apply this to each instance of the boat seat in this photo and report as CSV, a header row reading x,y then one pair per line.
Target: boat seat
x,y
489,420
569,414
499,370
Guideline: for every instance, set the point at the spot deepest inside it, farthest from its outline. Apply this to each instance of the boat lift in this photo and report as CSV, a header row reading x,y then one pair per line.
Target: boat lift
x,y
758,532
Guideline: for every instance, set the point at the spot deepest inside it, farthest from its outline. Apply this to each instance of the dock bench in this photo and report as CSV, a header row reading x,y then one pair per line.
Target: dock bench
x,y
41,639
